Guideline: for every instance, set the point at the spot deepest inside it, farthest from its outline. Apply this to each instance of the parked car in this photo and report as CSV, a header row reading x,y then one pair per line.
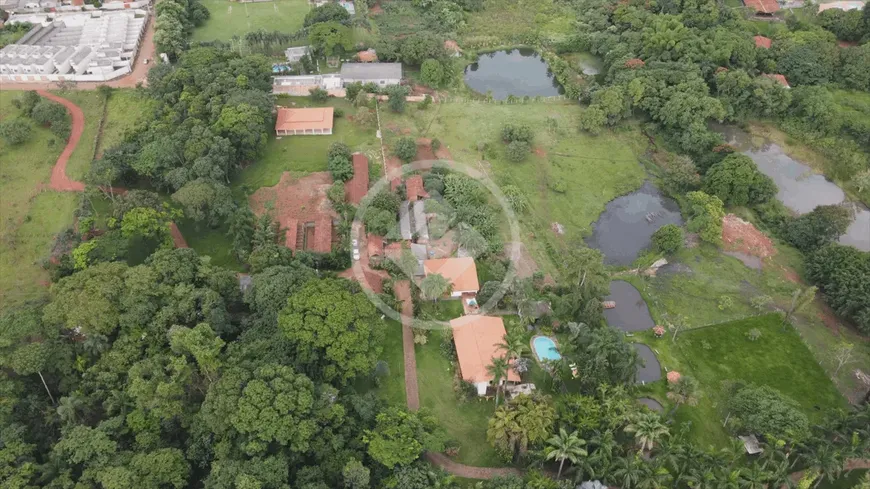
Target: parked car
x,y
355,254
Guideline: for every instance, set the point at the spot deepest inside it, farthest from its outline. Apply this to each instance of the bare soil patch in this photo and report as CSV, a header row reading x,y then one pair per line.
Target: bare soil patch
x,y
300,199
741,236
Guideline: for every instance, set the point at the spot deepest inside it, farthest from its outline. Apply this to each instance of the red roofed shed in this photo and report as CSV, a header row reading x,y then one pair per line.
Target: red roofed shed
x,y
779,79
322,236
763,42
414,188
357,187
763,6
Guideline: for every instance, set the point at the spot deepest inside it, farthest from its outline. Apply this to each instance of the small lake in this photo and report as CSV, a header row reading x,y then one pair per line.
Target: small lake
x,y
800,188
648,369
519,72
631,312
627,224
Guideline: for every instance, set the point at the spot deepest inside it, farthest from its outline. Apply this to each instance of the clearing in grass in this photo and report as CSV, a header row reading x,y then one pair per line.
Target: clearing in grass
x,y
231,19
92,105
126,107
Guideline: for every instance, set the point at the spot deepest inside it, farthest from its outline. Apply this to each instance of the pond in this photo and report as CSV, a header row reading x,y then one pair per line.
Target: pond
x,y
519,72
586,63
627,224
800,188
649,369
651,403
631,312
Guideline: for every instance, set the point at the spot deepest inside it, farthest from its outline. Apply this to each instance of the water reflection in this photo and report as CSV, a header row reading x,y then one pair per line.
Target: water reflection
x,y
800,188
519,72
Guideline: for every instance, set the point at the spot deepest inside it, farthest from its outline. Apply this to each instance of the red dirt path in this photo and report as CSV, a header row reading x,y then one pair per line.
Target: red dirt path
x,y
59,180
403,293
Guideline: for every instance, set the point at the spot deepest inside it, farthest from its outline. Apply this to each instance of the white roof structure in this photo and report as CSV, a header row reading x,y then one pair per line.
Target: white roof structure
x,y
371,71
845,5
91,46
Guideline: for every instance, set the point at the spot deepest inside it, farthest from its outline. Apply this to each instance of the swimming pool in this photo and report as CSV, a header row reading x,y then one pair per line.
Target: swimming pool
x,y
545,349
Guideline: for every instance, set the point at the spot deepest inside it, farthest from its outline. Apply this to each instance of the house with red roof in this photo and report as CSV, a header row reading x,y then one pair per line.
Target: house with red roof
x,y
763,7
778,78
298,122
763,42
414,188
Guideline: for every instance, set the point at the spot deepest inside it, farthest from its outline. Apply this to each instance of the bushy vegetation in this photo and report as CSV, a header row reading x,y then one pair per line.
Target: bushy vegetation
x,y
176,20
843,274
668,239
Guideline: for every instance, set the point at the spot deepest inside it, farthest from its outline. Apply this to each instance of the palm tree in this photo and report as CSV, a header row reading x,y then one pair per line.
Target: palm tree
x,y
826,459
754,477
628,471
434,286
69,407
800,299
683,391
498,369
648,430
565,446
514,346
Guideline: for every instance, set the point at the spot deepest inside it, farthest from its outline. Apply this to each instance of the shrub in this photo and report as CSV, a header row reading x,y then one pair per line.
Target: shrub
x,y
517,151
668,239
318,95
511,133
515,198
364,116
339,162
761,302
337,113
737,181
432,73
427,101
351,91
405,149
592,120
705,216
766,411
436,143
397,94
753,334
15,131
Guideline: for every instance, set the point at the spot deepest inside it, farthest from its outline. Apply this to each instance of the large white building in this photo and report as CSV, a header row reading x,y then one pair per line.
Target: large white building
x,y
92,46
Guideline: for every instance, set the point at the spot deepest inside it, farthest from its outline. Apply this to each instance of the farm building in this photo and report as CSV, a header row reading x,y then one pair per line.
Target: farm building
x,y
460,272
477,338
298,122
301,84
382,74
414,188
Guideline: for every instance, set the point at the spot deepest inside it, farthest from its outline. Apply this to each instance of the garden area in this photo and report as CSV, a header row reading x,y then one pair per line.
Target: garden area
x,y
231,19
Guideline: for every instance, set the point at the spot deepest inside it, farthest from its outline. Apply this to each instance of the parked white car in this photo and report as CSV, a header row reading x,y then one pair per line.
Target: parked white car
x,y
355,254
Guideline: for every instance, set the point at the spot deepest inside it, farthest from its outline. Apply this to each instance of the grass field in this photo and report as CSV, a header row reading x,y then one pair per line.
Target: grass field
x,y
30,220
568,178
465,422
230,19
779,358
92,105
696,294
304,154
125,108
512,22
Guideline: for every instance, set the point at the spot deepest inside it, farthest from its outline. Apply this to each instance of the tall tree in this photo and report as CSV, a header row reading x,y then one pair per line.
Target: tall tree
x,y
648,429
498,369
434,285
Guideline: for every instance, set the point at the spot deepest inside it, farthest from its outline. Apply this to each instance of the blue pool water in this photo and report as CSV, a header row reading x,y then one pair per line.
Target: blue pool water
x,y
545,349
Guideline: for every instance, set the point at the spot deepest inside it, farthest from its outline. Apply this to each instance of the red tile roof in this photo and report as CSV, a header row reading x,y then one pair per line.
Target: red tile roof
x,y
634,63
762,6
357,187
476,338
414,188
394,184
460,272
367,56
302,119
763,42
778,78
322,236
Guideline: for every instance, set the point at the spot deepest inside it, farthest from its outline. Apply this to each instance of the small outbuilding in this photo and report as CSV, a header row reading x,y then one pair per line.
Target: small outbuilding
x,y
778,78
297,122
763,7
763,42
381,74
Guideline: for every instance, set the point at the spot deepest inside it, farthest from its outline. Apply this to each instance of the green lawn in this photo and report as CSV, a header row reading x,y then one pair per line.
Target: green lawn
x,y
92,105
443,310
29,220
568,179
465,422
392,388
210,242
230,19
305,153
779,358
